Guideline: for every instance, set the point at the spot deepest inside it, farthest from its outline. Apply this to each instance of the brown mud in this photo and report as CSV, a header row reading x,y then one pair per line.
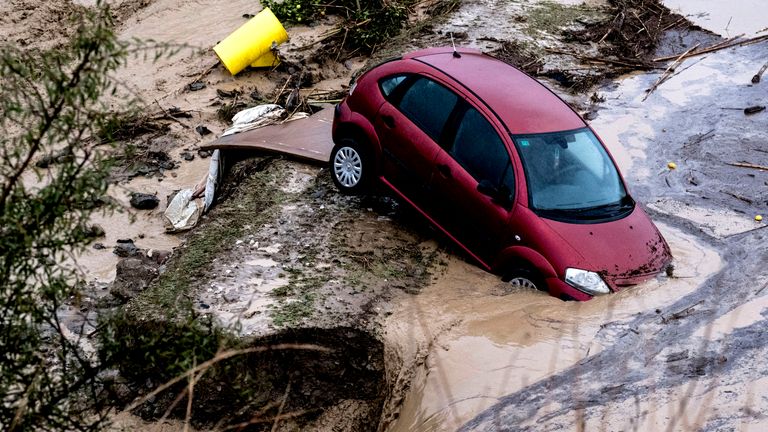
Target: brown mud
x,y
448,346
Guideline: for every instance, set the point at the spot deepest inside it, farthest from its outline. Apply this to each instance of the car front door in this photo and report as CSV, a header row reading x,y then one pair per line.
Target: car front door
x,y
473,186
410,125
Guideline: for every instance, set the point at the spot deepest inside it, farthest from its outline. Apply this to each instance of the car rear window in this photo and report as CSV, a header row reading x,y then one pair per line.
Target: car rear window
x,y
389,84
428,104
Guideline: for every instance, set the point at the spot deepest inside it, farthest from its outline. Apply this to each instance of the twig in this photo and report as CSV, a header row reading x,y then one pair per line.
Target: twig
x,y
670,70
761,289
282,405
748,165
738,197
168,116
700,138
280,93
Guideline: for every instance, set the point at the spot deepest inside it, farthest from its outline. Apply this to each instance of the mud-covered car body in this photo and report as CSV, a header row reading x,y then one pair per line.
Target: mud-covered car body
x,y
502,166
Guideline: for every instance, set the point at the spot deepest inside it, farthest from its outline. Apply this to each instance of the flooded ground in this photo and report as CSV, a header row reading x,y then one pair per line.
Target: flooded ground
x,y
462,351
501,341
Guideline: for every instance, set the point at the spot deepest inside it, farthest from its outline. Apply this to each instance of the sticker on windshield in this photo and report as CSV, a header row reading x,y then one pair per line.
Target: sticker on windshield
x,y
524,143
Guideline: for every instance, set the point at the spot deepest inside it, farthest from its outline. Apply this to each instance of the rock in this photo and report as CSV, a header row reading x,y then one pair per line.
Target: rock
x,y
197,85
133,276
203,130
204,153
99,246
126,248
159,256
97,230
144,201
53,158
227,93
187,156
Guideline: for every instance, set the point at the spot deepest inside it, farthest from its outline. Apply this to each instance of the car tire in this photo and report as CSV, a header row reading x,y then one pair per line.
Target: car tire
x,y
524,278
351,167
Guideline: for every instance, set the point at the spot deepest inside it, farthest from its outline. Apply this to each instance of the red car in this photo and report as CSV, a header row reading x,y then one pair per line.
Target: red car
x,y
502,166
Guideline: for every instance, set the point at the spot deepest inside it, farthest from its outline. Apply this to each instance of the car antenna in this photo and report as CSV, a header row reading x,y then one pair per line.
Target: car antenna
x,y
455,53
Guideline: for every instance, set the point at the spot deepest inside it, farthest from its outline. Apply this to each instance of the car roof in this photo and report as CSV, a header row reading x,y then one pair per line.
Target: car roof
x,y
523,104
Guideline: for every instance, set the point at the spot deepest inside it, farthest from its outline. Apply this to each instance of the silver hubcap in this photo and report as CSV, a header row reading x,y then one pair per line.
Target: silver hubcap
x,y
522,283
347,167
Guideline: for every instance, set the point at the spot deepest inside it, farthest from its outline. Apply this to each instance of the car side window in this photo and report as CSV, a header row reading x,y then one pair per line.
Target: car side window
x,y
428,104
479,149
389,84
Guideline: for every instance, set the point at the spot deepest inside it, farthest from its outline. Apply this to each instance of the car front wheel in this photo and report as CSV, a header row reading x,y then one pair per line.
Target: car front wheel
x,y
524,278
350,167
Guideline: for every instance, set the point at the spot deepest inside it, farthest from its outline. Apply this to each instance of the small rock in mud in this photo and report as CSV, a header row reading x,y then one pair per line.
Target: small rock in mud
x,y
202,130
144,201
53,158
187,156
125,248
96,231
132,276
227,93
204,153
197,85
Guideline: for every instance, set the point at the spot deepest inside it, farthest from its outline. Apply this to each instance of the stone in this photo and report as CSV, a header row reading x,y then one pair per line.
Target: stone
x,y
203,130
197,85
143,201
96,230
133,275
126,248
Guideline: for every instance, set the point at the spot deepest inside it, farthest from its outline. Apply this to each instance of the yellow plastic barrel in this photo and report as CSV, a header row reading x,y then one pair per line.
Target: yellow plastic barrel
x,y
248,44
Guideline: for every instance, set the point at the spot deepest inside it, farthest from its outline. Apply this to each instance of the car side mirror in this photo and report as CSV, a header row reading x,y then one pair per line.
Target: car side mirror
x,y
500,195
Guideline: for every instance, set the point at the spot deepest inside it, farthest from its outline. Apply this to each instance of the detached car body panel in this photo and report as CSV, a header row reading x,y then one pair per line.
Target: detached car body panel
x,y
502,166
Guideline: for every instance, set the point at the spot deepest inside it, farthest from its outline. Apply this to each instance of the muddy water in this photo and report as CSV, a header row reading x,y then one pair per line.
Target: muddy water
x,y
144,227
726,18
489,343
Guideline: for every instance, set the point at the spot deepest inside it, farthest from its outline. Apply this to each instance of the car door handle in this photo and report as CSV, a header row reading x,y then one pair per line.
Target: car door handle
x,y
389,121
444,170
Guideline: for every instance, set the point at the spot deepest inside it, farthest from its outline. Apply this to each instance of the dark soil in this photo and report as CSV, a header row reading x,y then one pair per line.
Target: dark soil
x,y
341,365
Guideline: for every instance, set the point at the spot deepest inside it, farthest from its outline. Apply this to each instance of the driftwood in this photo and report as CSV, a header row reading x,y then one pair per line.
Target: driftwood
x,y
636,65
665,76
728,43
747,165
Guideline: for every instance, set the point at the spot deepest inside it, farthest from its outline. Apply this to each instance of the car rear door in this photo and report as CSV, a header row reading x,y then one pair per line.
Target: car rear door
x,y
410,125
475,158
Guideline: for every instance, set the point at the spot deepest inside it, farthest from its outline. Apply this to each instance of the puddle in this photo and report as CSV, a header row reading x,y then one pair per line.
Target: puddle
x,y
497,345
726,18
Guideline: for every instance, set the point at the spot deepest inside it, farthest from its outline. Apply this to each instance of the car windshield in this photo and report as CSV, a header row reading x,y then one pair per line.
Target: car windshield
x,y
570,176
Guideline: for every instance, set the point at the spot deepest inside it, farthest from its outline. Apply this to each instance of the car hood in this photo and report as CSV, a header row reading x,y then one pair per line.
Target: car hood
x,y
624,252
